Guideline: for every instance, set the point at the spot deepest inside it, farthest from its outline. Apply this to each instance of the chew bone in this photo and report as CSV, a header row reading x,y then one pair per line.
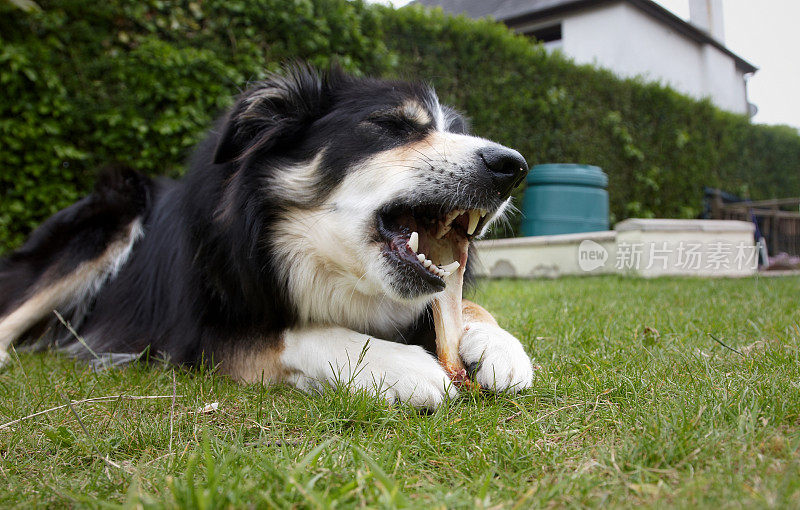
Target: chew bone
x,y
447,318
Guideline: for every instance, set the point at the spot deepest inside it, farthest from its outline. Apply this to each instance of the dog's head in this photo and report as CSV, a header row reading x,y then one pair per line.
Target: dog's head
x,y
377,185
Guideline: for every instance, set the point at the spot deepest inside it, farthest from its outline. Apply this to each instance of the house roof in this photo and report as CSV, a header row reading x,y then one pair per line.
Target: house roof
x,y
516,12
501,10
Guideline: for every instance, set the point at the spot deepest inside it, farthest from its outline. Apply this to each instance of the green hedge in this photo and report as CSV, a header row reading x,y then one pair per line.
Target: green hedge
x,y
137,82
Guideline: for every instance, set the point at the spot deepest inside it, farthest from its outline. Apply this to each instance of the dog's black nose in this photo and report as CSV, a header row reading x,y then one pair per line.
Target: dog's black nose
x,y
507,166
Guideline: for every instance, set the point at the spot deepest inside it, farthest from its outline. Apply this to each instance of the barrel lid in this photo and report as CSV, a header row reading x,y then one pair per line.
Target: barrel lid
x,y
564,173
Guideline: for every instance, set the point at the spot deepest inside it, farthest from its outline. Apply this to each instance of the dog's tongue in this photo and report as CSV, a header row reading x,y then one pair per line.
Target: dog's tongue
x,y
447,317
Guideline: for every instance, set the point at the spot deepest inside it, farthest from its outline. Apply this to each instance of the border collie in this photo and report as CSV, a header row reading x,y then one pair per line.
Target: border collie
x,y
283,255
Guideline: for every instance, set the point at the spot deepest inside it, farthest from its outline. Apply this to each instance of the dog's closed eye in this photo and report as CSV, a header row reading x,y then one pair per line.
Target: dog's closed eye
x,y
407,118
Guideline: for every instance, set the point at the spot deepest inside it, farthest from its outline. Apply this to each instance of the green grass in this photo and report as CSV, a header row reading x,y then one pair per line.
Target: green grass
x,y
635,404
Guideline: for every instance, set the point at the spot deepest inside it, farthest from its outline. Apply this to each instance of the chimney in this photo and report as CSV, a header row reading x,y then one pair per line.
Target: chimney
x,y
707,15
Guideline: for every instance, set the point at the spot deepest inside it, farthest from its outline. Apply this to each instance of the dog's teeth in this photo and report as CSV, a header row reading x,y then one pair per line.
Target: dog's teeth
x,y
474,218
427,263
446,225
451,267
484,212
421,257
413,242
443,230
446,274
451,216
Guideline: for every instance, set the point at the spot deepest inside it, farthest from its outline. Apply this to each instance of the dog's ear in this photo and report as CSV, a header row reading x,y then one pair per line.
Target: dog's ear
x,y
273,110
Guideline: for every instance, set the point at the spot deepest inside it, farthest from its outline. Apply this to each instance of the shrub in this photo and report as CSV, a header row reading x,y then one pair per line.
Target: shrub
x,y
137,82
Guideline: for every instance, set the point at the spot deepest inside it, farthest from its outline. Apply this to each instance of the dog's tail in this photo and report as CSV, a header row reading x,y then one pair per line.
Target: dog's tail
x,y
69,257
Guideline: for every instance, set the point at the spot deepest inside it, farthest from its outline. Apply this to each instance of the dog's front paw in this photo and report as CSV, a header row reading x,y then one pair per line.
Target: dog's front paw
x,y
392,371
408,375
501,362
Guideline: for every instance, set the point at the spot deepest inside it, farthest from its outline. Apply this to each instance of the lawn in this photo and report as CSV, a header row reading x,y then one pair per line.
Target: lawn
x,y
637,402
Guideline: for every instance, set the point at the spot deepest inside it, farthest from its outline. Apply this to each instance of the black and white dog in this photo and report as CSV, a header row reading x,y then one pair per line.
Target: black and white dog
x,y
286,249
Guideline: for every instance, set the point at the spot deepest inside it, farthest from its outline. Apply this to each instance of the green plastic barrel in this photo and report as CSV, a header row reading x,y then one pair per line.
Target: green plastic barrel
x,y
564,199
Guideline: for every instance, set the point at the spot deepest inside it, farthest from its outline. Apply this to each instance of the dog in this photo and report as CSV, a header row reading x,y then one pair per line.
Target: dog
x,y
285,254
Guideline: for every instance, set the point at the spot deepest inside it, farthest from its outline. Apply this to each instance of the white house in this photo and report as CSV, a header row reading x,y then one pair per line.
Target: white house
x,y
631,38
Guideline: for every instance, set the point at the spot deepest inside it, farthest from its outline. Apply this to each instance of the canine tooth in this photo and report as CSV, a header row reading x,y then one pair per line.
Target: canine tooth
x,y
446,273
484,212
421,257
427,263
451,267
474,218
413,242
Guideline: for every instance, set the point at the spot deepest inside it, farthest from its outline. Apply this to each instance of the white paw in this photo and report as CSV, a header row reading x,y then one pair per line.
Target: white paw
x,y
501,360
408,374
3,358
394,372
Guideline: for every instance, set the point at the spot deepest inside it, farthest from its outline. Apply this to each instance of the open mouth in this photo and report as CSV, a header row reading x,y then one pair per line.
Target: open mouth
x,y
428,241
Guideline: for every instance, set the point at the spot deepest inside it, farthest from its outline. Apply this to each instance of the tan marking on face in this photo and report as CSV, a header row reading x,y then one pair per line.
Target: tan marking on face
x,y
256,363
414,112
442,148
472,312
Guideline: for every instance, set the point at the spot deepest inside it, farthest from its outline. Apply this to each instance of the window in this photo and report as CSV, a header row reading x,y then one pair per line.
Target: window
x,y
546,34
549,35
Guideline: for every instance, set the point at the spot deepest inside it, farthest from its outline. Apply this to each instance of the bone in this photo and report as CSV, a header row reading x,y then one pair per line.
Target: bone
x,y
448,321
